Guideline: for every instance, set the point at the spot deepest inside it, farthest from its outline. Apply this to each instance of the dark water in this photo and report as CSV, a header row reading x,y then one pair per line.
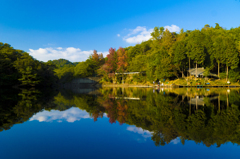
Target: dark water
x,y
120,123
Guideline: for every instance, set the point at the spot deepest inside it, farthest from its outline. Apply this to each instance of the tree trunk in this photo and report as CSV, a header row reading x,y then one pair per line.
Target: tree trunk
x,y
196,69
227,74
182,73
189,67
218,70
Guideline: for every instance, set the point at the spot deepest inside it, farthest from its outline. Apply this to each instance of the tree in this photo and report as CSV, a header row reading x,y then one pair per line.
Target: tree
x,y
195,47
122,60
85,69
95,57
111,61
232,58
28,69
28,77
219,51
167,41
138,63
180,57
157,33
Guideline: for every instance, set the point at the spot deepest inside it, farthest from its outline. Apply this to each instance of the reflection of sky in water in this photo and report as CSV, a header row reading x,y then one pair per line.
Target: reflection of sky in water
x,y
175,141
89,139
143,133
147,134
70,115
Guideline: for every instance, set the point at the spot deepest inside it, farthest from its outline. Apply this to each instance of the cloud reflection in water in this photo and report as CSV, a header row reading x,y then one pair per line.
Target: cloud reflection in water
x,y
176,141
143,133
70,115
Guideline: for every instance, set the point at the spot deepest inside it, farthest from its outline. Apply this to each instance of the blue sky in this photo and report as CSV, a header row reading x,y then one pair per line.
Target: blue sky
x,y
72,29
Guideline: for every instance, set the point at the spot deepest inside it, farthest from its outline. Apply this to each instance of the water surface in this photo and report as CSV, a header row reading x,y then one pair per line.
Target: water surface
x,y
120,123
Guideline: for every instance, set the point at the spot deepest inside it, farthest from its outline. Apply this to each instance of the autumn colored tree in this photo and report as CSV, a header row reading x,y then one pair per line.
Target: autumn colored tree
x,y
111,62
122,60
108,69
95,57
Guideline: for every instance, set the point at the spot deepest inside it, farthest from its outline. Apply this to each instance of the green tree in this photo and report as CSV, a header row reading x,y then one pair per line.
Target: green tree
x,y
196,49
180,56
232,58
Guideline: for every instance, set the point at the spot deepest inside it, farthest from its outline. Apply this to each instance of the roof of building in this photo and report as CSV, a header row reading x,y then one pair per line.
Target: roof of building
x,y
200,71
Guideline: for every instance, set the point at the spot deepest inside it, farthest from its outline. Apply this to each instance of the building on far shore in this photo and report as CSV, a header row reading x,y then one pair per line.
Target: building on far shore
x,y
200,72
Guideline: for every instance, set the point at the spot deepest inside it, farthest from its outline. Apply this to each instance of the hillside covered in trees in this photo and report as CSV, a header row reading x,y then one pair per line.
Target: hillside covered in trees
x,y
18,68
169,55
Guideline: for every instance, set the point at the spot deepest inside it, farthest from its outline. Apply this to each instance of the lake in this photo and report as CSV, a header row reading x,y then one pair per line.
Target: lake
x,y
120,123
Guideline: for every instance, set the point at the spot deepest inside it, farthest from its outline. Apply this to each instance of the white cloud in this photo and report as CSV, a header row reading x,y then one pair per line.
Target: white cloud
x,y
141,33
72,54
144,133
138,35
70,115
173,28
118,35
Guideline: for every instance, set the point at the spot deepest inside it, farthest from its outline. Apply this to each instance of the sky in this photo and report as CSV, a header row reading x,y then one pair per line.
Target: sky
x,y
72,29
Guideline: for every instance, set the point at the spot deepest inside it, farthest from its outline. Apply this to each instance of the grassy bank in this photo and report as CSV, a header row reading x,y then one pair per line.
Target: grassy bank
x,y
190,81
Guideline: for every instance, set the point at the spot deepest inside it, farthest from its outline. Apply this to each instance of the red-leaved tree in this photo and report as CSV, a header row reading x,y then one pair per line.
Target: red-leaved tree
x,y
122,60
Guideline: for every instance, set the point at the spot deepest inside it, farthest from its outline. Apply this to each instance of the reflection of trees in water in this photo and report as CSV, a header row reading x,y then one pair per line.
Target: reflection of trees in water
x,y
167,115
17,106
122,111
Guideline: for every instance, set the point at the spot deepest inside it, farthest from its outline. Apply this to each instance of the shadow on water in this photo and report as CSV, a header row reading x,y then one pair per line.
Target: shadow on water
x,y
208,116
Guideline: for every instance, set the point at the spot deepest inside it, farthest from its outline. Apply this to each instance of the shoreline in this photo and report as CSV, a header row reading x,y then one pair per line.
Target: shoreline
x,y
127,85
165,86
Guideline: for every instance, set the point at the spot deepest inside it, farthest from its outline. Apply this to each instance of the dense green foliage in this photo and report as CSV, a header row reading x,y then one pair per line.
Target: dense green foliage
x,y
167,55
18,68
66,70
170,54
62,63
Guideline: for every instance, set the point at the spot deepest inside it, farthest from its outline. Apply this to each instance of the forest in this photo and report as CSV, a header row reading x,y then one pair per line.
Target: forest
x,y
18,68
168,55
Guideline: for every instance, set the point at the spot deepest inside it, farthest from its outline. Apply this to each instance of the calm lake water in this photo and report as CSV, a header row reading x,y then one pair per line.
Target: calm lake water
x,y
120,123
